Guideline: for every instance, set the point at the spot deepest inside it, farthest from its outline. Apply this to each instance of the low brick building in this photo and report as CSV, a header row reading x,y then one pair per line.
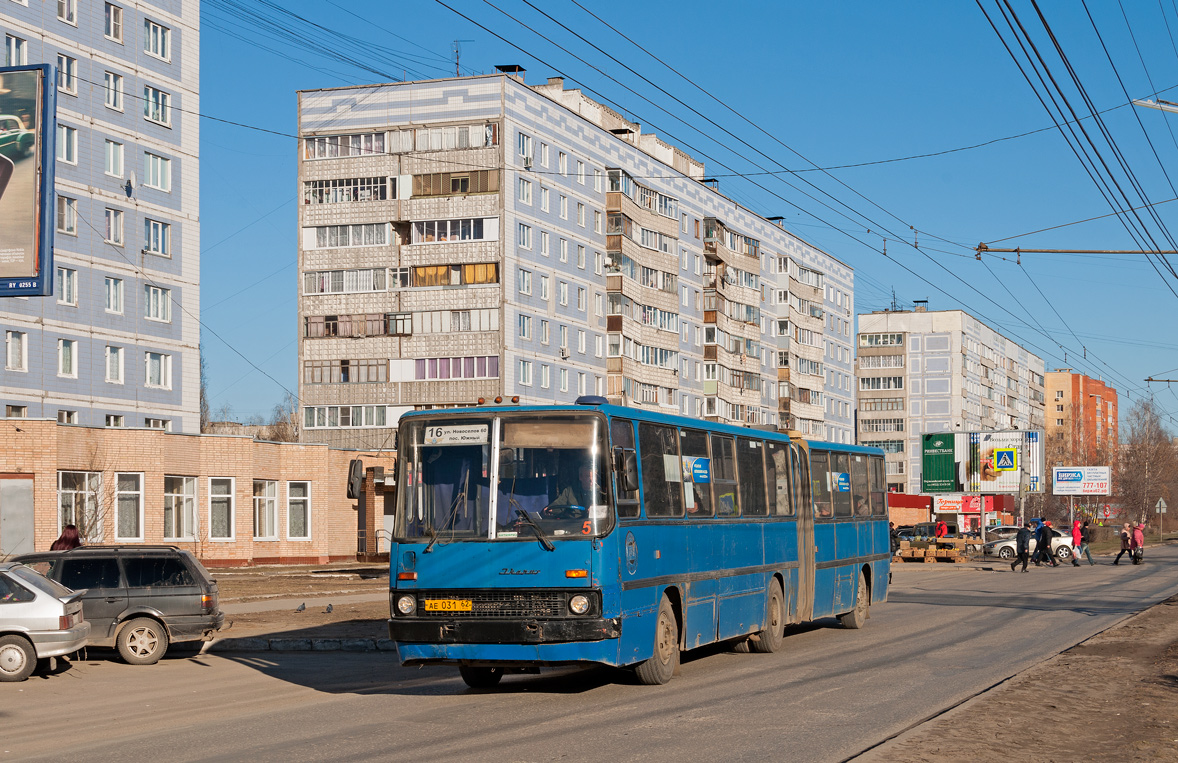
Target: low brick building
x,y
230,500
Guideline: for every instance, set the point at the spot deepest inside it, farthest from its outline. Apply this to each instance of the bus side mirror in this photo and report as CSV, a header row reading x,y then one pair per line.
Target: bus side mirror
x,y
626,464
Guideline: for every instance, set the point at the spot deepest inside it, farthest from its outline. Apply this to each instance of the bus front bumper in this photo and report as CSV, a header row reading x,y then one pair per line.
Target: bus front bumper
x,y
479,631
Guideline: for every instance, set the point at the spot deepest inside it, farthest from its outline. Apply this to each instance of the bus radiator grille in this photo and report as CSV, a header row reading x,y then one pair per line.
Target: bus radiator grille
x,y
500,604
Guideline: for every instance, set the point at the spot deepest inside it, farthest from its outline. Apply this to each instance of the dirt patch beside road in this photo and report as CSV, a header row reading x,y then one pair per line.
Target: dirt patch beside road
x,y
260,583
1111,698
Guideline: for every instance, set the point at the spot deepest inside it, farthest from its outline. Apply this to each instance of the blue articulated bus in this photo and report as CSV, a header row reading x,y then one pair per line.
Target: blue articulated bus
x,y
530,536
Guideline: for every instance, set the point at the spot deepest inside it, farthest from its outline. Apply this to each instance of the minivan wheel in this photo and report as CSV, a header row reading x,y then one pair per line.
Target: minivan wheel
x,y
18,658
142,641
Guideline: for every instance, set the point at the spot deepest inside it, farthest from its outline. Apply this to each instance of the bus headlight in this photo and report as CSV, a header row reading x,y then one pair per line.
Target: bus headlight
x,y
579,604
406,604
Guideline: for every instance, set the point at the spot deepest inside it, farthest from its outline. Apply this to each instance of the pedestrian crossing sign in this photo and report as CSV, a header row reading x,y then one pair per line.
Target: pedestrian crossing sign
x,y
1005,459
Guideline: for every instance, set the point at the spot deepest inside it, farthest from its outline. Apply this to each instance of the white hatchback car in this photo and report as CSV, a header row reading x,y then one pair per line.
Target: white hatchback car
x,y
39,619
1007,548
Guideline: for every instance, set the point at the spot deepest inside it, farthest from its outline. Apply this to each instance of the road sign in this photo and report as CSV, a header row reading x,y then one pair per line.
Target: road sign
x,y
1160,506
1106,512
1005,459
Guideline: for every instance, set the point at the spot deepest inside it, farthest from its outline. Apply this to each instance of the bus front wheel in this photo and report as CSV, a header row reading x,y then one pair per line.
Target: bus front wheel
x,y
857,617
771,639
662,664
480,678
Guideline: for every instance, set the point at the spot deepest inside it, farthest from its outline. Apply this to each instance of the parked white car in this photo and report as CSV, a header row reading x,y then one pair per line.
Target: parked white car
x,y
39,619
1007,548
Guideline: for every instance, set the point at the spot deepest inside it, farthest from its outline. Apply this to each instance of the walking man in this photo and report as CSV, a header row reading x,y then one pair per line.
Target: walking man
x,y
1085,539
1043,548
1022,544
1126,542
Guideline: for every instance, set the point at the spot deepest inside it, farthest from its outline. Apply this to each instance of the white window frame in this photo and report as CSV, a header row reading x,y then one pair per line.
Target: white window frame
x,y
157,172
91,497
67,144
114,420
269,504
118,508
525,236
22,338
113,158
112,23
114,295
118,354
161,298
67,215
525,191
112,86
544,288
232,496
543,199
191,514
525,326
545,376
157,40
525,373
16,50
165,361
67,286
67,11
524,283
157,237
67,74
306,500
157,106
113,219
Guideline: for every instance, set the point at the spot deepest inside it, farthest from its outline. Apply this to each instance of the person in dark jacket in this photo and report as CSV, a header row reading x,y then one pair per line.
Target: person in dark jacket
x,y
1126,542
1022,544
1085,539
1043,545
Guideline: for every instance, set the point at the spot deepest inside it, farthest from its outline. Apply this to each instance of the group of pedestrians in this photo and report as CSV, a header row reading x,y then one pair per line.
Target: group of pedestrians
x,y
1132,541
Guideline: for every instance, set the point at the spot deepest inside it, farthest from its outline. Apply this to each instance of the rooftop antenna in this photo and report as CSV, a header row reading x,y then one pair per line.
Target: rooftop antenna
x,y
456,46
895,306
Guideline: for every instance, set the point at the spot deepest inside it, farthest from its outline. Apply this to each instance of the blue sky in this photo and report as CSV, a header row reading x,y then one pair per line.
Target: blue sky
x,y
840,83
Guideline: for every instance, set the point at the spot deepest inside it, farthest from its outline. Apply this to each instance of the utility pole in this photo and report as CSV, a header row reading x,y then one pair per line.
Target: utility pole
x,y
456,46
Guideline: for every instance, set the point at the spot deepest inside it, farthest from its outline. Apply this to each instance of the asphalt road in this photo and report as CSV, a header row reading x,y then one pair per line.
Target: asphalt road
x,y
948,633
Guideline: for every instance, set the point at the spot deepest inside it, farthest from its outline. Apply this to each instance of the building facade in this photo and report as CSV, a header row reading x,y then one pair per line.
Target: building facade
x,y
477,237
941,371
1081,419
118,342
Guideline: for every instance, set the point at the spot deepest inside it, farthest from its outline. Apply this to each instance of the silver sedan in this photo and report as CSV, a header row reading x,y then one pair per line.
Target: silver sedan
x,y
1007,548
39,619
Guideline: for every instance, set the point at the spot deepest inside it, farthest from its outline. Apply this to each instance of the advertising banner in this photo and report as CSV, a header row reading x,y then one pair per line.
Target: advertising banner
x,y
27,199
982,462
1081,480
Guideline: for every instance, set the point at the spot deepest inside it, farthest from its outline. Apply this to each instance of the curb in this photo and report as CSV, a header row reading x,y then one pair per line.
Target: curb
x,y
262,644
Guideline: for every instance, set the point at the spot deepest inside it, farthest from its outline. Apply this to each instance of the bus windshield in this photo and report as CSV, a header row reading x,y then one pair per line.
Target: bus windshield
x,y
510,477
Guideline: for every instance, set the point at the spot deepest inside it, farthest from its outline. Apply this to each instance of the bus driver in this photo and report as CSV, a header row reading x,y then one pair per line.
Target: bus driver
x,y
581,494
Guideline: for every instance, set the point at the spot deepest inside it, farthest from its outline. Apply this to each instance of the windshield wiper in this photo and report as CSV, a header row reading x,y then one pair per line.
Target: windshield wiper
x,y
433,538
523,516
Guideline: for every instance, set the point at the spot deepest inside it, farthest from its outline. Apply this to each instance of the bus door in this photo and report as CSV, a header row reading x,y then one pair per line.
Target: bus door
x,y
800,484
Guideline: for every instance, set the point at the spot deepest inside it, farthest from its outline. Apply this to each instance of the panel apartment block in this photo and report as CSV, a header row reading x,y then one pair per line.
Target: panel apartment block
x,y
118,343
1081,418
477,237
939,371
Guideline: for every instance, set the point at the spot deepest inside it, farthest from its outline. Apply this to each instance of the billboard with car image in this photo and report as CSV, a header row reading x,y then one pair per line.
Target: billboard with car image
x,y
27,198
982,462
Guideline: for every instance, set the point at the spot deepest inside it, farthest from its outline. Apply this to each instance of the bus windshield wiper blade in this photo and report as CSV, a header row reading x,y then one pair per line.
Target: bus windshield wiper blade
x,y
432,540
523,515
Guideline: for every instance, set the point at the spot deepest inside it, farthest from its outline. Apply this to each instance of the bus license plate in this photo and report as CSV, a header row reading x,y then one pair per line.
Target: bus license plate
x,y
447,605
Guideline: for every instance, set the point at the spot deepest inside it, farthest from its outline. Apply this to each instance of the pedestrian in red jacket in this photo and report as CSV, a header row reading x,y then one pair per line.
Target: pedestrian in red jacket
x,y
1138,543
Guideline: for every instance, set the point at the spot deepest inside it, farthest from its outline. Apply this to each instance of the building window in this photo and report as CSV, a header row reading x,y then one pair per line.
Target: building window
x,y
525,281
157,106
179,508
221,506
544,199
164,424
596,221
597,176
78,496
67,215
157,303
1059,422
477,367
525,373
525,191
114,364
580,214
581,383
563,376
67,286
158,370
114,420
298,510
67,75
564,336
564,250
344,190
363,144
563,290
545,376
581,341
114,295
544,288
525,146
113,27
564,207
128,506
580,257
525,236
345,416
581,298
157,40
15,51
67,358
67,11
157,237
563,162
16,411
157,172
543,331
67,144
265,510
525,327
114,159
16,351
113,86
113,231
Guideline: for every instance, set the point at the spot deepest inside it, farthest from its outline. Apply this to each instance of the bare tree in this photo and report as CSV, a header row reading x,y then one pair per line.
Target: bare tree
x,y
284,421
1148,467
204,390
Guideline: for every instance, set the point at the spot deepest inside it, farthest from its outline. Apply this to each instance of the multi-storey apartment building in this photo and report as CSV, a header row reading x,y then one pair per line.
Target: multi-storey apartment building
x,y
941,371
477,237
118,343
1081,418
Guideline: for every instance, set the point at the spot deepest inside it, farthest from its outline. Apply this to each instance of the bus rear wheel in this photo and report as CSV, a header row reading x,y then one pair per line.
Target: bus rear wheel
x,y
661,666
480,678
771,638
857,617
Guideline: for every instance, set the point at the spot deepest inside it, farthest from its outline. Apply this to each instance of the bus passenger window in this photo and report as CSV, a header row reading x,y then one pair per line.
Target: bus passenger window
x,y
859,487
777,477
840,484
621,432
820,485
879,507
697,473
662,471
724,477
750,461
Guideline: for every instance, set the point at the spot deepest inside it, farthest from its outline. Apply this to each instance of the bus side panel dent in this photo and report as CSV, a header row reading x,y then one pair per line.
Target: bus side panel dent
x,y
640,606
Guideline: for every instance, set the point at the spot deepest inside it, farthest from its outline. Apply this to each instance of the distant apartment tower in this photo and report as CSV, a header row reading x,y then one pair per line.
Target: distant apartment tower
x,y
118,343
476,237
1081,418
921,372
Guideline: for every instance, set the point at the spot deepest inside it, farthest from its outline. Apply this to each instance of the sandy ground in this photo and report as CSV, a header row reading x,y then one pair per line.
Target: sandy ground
x,y
1113,697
